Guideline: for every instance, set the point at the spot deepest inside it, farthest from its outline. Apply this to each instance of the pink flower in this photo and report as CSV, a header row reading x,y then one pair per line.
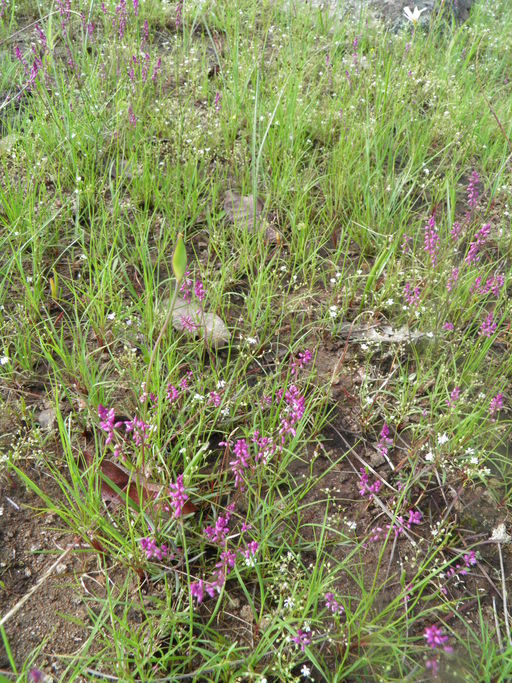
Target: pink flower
x,y
480,239
411,296
488,327
151,548
301,360
435,638
456,231
454,276
496,404
384,441
302,639
431,240
188,324
178,497
454,397
241,461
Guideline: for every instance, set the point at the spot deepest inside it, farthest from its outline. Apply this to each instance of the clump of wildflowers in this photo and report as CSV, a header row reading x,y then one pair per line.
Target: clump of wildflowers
x,y
412,296
178,497
365,487
496,404
454,397
152,549
302,639
473,255
431,240
384,443
332,604
488,327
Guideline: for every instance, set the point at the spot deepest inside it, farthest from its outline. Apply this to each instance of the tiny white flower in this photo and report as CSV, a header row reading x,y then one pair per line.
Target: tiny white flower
x,y
111,316
390,302
198,397
289,603
4,360
305,671
414,15
251,340
429,457
442,439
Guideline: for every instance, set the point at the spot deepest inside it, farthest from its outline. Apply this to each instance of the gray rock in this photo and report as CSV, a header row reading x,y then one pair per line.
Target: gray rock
x,y
392,11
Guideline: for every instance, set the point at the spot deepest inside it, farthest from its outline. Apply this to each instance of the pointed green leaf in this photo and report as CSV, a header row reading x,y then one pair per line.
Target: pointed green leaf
x,y
179,259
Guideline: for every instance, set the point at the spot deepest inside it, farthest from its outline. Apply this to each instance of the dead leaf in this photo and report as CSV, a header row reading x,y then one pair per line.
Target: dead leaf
x,y
208,325
246,213
138,488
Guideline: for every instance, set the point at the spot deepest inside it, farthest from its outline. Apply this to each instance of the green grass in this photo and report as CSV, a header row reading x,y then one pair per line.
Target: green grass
x,y
352,147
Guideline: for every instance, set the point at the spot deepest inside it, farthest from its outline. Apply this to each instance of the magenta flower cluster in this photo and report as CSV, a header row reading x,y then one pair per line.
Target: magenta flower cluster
x,y
218,534
431,240
302,639
384,443
415,517
365,488
481,237
332,604
496,404
152,549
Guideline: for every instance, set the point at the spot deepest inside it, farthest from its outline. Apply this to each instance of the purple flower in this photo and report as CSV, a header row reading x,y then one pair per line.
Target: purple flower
x,y
496,404
241,461
411,296
186,286
172,393
448,326
294,411
435,638
188,324
415,517
454,397
454,276
431,240
488,327
131,116
456,231
178,497
217,104
480,239
179,12
303,358
122,17
140,430
199,290
136,7
197,590
218,533
214,398
302,639
365,487
266,447
384,441
108,422
150,547
332,604
36,675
